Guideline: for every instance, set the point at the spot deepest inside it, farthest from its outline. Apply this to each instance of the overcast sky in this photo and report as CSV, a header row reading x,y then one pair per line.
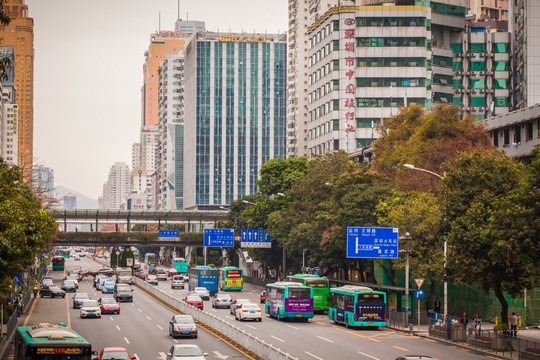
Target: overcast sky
x,y
89,56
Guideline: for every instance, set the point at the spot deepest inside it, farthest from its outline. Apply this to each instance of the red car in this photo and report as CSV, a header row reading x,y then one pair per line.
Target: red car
x,y
114,353
109,305
142,275
194,300
263,296
172,272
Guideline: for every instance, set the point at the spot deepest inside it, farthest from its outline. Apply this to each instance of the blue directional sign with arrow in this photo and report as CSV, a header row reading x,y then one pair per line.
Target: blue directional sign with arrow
x,y
219,237
372,242
258,238
419,294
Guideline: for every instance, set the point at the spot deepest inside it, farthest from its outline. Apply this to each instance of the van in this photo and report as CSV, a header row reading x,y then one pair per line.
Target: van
x,y
177,281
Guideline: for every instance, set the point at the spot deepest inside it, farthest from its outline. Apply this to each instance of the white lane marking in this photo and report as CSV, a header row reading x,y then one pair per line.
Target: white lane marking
x,y
249,326
369,356
176,341
230,317
110,317
162,356
148,317
316,357
118,327
159,327
294,327
139,310
277,338
125,338
325,339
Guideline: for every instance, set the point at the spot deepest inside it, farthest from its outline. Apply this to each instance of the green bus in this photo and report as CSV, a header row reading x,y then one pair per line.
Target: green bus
x,y
286,299
58,263
181,265
321,289
65,253
231,278
358,306
50,342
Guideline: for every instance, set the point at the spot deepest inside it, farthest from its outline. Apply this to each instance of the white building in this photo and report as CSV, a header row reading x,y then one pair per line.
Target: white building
x,y
117,187
9,138
171,133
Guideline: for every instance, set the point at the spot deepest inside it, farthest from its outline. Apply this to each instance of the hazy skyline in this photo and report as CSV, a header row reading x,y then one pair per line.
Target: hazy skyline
x,y
89,57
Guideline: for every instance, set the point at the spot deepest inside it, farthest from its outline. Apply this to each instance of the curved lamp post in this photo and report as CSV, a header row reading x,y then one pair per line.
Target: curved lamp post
x,y
412,167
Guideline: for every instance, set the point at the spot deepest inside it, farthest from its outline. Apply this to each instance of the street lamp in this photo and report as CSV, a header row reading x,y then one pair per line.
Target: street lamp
x,y
412,167
407,251
304,258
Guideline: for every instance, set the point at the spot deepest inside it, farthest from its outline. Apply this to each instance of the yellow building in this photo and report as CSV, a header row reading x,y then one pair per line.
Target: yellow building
x,y
19,34
162,44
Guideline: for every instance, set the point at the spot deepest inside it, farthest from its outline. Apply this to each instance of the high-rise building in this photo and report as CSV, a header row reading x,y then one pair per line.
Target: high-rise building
x,y
525,25
43,181
489,10
366,61
235,115
117,187
19,34
9,119
170,160
70,201
301,15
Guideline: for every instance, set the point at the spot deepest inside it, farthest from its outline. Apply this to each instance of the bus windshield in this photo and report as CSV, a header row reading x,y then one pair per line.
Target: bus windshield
x,y
316,282
299,293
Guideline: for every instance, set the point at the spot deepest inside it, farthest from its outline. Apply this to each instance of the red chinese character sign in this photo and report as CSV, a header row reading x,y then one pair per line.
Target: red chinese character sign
x,y
348,81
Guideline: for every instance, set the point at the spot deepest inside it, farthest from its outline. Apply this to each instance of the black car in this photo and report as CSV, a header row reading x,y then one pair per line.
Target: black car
x,y
52,291
46,282
79,298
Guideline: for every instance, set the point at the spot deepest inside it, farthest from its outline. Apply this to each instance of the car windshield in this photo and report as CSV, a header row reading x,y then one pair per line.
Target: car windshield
x,y
178,278
117,355
81,296
71,277
187,351
223,296
108,301
200,289
183,320
54,288
91,303
193,298
110,282
69,282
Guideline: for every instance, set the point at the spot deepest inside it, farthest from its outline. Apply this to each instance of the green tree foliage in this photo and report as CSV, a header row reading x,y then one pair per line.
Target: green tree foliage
x,y
418,214
25,228
427,140
476,195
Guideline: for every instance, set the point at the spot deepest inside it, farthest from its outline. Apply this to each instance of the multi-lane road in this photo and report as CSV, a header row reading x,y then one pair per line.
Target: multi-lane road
x,y
142,327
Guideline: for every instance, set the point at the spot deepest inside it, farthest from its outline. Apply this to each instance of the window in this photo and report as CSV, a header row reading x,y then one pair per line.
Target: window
x,y
456,100
478,83
517,134
477,101
501,47
478,65
456,83
501,83
506,137
478,48
502,66
529,130
495,136
457,48
501,101
457,66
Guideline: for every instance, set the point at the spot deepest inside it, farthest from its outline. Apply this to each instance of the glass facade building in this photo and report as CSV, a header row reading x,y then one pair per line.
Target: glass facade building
x,y
235,114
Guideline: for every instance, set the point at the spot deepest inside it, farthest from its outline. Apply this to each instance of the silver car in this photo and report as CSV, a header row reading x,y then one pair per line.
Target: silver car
x,y
90,308
182,325
222,301
185,352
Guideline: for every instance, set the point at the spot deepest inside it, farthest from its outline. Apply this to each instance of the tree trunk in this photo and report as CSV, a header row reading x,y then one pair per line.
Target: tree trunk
x,y
345,268
504,304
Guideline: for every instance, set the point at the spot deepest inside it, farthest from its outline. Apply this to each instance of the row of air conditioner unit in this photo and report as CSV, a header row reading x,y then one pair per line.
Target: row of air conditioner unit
x,y
474,90
473,73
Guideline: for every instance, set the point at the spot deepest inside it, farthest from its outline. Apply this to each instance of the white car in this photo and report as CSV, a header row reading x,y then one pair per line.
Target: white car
x,y
202,292
248,311
177,281
90,308
152,279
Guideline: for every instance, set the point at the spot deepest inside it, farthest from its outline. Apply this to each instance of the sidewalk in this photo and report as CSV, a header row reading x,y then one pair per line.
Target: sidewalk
x,y
525,335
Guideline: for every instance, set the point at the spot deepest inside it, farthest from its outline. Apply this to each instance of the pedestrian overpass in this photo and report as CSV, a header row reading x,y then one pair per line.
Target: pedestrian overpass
x,y
195,221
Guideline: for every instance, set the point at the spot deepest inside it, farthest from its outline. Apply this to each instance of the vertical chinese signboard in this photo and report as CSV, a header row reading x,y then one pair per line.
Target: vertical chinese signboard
x,y
348,79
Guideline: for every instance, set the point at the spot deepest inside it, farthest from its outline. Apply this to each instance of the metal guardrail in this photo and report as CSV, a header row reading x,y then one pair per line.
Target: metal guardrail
x,y
487,340
252,343
398,320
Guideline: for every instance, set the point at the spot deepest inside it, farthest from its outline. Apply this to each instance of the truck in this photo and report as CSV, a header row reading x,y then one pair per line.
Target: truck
x,y
123,275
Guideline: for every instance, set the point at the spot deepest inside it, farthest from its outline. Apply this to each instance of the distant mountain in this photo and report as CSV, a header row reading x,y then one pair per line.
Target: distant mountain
x,y
83,202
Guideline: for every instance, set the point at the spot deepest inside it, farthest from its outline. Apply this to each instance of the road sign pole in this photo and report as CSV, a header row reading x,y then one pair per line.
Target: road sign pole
x,y
204,256
418,315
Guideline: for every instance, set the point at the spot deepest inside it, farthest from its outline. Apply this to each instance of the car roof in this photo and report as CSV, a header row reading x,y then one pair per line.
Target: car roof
x,y
196,297
114,349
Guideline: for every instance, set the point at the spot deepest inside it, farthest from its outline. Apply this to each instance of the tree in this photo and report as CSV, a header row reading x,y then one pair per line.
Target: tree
x,y
475,198
427,140
420,215
25,228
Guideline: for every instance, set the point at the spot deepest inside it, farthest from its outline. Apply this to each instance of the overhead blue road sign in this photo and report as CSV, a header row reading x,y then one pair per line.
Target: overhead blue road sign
x,y
419,294
168,233
372,242
218,237
258,238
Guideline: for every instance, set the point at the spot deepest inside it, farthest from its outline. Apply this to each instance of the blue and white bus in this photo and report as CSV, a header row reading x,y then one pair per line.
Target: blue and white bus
x,y
204,276
358,306
289,300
